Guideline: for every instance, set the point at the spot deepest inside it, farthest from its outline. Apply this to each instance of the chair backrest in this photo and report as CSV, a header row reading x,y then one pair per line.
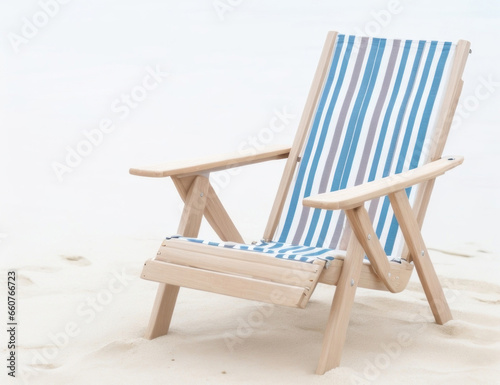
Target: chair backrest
x,y
378,107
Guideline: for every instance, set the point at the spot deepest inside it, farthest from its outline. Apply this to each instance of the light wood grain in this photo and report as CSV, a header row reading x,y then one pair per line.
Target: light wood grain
x,y
340,311
258,269
236,286
368,278
215,213
212,163
194,207
219,219
166,296
163,309
425,269
367,237
450,99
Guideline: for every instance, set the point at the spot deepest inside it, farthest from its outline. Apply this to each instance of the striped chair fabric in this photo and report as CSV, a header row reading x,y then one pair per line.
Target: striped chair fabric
x,y
375,117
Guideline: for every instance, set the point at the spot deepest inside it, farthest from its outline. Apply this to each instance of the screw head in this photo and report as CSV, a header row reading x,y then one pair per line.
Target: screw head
x,y
352,282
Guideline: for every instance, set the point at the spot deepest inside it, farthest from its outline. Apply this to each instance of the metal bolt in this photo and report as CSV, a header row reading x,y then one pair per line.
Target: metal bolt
x,y
422,253
352,282
369,236
201,194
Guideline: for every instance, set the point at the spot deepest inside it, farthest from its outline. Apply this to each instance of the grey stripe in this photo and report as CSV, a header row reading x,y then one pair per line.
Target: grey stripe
x,y
338,230
302,224
346,237
377,112
372,210
336,137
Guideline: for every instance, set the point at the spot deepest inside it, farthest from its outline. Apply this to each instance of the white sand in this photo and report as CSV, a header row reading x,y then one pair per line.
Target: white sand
x,y
78,245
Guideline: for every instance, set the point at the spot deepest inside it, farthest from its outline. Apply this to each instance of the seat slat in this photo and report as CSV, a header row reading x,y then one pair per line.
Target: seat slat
x,y
244,255
295,276
221,283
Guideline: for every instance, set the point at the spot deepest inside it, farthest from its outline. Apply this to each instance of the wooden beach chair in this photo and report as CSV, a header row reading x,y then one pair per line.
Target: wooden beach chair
x,y
352,197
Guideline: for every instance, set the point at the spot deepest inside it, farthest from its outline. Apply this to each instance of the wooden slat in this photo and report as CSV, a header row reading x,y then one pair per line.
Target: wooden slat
x,y
356,196
280,274
300,136
400,276
400,271
220,283
425,269
309,290
212,163
244,255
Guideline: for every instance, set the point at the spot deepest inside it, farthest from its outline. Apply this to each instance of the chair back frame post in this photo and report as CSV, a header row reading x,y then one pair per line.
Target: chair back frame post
x,y
444,121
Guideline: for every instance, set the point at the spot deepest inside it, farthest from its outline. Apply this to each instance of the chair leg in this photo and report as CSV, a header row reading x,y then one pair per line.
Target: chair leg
x,y
338,320
163,309
194,191
423,264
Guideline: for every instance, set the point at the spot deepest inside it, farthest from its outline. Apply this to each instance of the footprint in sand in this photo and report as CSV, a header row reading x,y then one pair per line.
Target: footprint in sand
x,y
76,260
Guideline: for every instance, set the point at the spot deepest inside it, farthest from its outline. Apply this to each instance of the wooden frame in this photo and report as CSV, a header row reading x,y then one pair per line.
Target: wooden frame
x,y
251,275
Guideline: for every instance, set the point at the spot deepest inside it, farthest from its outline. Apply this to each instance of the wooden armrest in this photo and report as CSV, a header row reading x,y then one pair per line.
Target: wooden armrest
x,y
357,195
213,163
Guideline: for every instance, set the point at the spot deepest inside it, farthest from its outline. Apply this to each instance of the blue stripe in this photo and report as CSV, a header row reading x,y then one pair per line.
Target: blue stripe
x,y
308,150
